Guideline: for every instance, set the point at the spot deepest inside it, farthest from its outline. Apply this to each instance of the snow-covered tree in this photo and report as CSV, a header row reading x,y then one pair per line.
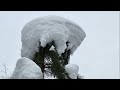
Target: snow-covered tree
x,y
49,41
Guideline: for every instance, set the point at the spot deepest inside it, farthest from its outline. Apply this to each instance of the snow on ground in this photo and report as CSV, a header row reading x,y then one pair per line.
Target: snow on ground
x,y
50,28
26,69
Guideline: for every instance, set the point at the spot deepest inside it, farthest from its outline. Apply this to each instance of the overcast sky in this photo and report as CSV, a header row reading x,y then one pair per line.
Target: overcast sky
x,y
98,55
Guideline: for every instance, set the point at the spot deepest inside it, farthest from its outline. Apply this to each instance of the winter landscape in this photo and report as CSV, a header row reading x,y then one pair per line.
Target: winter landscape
x,y
59,45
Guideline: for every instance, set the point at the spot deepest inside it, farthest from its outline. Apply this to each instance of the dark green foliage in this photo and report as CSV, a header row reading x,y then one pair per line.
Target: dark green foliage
x,y
56,63
57,68
39,58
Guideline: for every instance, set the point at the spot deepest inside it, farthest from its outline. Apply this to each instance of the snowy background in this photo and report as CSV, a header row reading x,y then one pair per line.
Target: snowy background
x,y
98,55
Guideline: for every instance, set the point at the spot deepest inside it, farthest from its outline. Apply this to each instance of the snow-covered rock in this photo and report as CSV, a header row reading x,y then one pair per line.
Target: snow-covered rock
x,y
50,28
72,70
26,69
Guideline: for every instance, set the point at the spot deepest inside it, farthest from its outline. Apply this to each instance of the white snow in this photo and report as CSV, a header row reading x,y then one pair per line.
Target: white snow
x,y
52,48
72,70
26,69
50,28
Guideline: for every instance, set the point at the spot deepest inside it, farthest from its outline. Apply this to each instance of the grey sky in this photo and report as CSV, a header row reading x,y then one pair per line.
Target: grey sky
x,y
98,55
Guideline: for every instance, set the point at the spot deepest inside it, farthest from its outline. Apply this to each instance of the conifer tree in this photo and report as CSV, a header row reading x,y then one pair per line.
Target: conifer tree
x,y
51,62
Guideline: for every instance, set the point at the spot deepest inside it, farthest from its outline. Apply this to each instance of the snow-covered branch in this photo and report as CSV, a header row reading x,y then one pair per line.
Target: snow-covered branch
x,y
48,40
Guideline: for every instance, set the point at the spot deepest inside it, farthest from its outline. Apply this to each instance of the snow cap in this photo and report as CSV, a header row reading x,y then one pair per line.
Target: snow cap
x,y
50,28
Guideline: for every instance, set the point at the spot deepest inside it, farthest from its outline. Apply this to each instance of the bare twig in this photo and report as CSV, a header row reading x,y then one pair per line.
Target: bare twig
x,y
4,71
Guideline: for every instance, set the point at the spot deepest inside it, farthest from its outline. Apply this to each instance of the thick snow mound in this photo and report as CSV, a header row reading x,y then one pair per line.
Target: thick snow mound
x,y
72,70
50,28
26,69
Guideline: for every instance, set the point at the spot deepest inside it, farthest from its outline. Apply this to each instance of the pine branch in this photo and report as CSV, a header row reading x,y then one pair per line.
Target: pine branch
x,y
57,63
